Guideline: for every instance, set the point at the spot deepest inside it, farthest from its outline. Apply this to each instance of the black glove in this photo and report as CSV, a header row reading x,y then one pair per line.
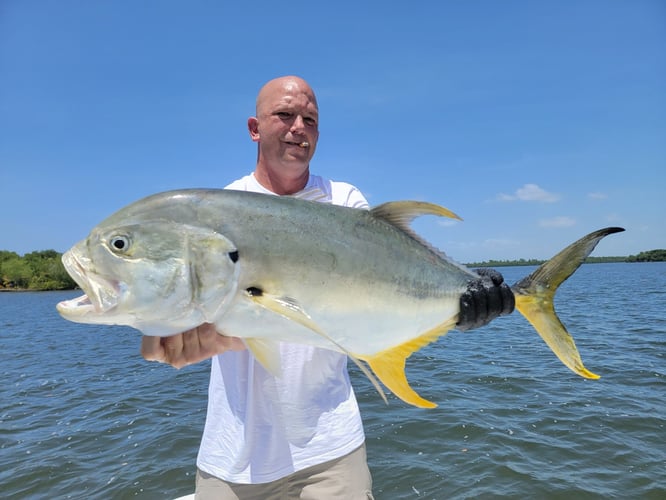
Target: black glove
x,y
485,299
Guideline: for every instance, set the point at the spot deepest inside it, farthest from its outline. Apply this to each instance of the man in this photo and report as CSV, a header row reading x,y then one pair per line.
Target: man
x,y
299,435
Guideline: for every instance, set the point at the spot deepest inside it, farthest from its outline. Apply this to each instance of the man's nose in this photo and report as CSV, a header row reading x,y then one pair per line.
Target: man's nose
x,y
298,123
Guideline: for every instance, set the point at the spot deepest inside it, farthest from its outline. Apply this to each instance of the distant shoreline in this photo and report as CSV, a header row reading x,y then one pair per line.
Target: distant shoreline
x,y
23,290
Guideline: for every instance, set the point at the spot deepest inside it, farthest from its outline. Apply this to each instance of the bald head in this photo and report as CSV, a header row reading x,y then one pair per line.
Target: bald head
x,y
281,85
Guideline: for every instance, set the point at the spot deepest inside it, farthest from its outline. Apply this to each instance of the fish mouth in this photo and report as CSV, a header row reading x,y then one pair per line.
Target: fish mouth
x,y
100,294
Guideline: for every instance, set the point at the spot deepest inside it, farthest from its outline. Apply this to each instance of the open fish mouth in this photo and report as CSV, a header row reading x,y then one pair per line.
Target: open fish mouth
x,y
79,306
100,294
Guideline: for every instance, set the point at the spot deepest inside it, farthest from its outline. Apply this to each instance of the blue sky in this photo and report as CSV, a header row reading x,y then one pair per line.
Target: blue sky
x,y
536,122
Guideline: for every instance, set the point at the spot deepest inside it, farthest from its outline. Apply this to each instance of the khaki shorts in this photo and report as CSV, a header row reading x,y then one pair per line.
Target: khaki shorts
x,y
345,478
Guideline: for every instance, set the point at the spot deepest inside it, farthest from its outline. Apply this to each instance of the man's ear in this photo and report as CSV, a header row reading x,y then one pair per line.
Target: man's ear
x,y
253,128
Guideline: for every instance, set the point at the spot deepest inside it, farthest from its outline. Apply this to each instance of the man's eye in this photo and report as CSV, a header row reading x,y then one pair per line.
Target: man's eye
x,y
283,114
310,121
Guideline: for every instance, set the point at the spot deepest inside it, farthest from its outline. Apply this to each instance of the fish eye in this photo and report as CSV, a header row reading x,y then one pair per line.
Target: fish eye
x,y
119,243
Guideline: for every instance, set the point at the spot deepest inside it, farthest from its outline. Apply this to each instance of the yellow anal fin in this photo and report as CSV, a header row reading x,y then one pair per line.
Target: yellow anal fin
x,y
389,365
539,311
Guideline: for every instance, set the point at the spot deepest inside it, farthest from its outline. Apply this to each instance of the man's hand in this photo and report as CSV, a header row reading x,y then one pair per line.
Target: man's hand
x,y
485,299
189,347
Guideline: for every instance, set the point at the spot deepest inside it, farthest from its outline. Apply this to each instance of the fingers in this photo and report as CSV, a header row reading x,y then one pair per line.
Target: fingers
x,y
485,299
508,300
164,349
211,343
500,297
232,343
174,349
151,348
468,312
494,306
494,275
192,346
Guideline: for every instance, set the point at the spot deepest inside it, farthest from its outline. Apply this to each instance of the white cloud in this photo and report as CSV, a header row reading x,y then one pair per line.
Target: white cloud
x,y
613,218
597,196
495,243
561,221
446,222
529,192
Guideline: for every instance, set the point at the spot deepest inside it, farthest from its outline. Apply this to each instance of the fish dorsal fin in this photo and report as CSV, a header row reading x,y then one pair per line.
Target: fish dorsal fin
x,y
400,214
389,365
292,310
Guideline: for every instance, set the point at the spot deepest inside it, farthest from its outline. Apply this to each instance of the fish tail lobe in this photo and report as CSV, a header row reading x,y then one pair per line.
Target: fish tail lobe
x,y
534,296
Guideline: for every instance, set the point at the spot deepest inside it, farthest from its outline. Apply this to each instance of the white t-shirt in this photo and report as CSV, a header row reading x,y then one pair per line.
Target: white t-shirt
x,y
260,428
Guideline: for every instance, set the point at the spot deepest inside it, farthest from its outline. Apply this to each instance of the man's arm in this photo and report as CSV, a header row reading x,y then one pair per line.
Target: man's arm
x,y
192,346
486,298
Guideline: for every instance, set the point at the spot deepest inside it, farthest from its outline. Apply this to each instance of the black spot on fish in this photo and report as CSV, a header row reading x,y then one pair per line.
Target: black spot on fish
x,y
234,256
253,291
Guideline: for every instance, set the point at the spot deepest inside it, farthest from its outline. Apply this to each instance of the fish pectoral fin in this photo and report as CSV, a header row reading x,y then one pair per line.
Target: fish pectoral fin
x,y
267,353
285,307
292,310
389,365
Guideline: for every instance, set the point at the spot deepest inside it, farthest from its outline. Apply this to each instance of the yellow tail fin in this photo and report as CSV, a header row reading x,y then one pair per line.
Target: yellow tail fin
x,y
534,298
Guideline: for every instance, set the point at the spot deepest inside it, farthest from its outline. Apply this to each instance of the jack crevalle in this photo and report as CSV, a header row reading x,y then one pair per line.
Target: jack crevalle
x,y
278,269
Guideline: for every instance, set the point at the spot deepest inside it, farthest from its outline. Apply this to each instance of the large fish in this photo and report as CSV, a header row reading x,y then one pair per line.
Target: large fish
x,y
278,269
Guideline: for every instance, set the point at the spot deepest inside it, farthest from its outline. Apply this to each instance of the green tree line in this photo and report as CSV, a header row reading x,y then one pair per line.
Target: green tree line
x,y
43,270
649,256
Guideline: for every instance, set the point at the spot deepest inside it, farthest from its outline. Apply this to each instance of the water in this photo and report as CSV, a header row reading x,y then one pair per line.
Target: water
x,y
82,415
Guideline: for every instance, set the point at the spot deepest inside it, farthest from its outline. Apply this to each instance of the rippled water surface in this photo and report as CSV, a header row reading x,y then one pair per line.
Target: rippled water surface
x,y
82,415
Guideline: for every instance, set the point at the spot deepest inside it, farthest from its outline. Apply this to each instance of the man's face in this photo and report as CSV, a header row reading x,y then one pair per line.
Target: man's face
x,y
287,117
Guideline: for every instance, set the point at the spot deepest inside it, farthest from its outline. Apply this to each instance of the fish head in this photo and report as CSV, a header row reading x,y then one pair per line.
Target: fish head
x,y
158,276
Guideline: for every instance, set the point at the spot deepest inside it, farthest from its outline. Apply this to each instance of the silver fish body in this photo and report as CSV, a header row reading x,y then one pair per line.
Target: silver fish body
x,y
278,269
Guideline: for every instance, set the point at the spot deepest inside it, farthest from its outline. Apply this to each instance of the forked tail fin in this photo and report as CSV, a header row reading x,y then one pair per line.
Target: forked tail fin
x,y
534,298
